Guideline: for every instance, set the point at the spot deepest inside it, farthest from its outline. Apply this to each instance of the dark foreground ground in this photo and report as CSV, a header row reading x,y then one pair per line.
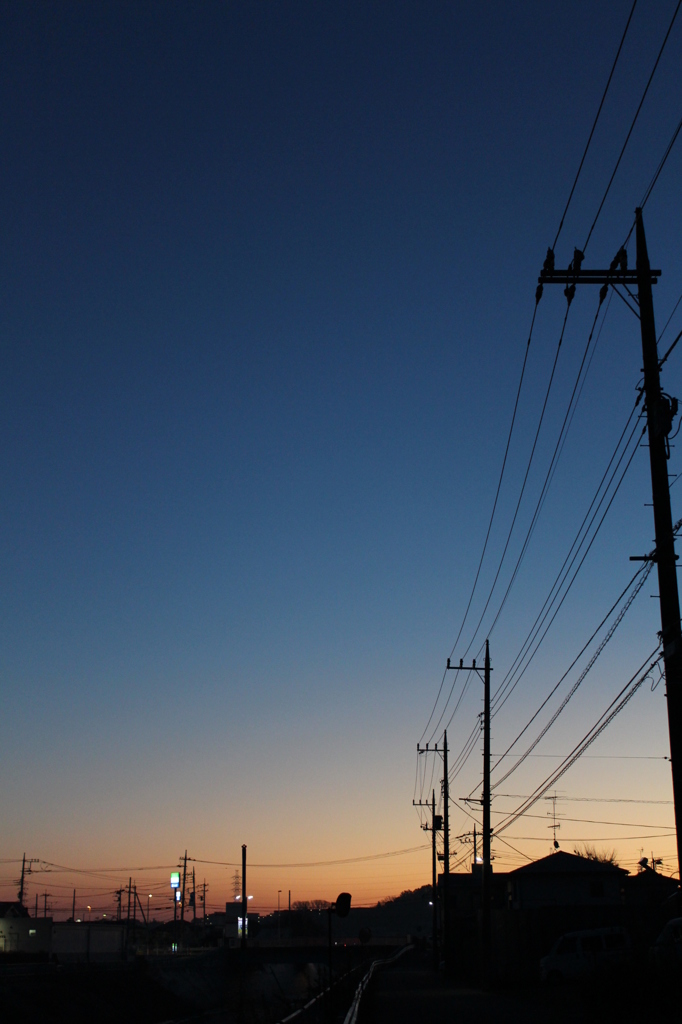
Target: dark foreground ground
x,y
409,992
406,992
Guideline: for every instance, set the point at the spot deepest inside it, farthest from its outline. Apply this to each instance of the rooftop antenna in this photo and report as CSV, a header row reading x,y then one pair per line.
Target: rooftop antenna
x,y
555,826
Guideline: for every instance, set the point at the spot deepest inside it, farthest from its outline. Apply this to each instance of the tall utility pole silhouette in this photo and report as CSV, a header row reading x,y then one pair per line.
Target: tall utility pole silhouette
x,y
485,801
21,883
194,895
184,879
25,870
436,826
660,411
446,808
445,825
487,873
244,902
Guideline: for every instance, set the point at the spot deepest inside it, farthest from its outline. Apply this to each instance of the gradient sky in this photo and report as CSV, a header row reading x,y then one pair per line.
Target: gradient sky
x,y
267,280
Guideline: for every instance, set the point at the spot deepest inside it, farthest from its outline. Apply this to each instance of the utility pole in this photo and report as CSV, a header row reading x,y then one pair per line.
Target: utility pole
x,y
73,906
487,872
25,870
21,883
36,910
194,895
245,916
660,411
485,801
446,810
184,879
130,886
436,826
289,900
45,895
434,879
445,823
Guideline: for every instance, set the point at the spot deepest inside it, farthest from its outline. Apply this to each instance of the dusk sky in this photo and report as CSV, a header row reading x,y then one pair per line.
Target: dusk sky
x,y
268,275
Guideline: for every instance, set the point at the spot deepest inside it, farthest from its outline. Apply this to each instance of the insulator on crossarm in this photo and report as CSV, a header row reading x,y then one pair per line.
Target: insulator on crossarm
x,y
548,265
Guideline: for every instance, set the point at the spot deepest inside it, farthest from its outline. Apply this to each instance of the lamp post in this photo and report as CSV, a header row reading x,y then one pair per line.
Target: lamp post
x,y
279,893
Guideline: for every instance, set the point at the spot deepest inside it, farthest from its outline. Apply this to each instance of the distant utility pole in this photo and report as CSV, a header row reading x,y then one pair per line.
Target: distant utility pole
x,y
194,895
73,906
445,826
446,808
660,411
245,916
184,879
485,801
487,872
25,870
435,827
45,895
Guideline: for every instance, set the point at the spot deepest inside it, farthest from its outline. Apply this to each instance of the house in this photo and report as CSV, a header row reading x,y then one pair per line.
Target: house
x,y
565,880
21,933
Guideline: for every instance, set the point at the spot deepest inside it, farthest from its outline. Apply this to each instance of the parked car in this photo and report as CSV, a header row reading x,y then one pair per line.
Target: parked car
x,y
666,951
577,954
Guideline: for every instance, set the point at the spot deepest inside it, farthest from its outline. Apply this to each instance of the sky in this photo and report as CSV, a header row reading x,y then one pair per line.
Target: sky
x,y
268,276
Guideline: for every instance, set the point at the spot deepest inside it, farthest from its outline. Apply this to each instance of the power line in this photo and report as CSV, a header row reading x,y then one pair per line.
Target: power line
x,y
552,467
499,700
594,125
634,121
588,668
525,479
661,165
575,660
538,295
615,707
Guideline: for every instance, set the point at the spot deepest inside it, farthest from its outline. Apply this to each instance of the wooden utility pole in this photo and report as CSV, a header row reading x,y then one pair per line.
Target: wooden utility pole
x,y
487,872
660,410
245,916
446,808
184,879
435,823
436,826
194,895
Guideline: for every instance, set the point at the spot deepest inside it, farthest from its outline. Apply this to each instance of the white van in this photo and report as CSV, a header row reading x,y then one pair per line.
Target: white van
x,y
577,954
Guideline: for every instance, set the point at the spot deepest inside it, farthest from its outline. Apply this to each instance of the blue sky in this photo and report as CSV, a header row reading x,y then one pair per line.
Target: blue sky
x,y
268,276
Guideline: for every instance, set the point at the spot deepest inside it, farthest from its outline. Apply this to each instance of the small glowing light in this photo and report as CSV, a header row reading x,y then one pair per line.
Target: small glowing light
x,y
249,897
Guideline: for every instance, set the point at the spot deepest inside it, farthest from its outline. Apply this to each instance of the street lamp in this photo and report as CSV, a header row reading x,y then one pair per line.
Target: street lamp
x,y
89,909
279,891
148,899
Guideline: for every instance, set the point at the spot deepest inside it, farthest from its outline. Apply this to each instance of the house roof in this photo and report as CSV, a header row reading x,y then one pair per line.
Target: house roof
x,y
12,908
561,863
